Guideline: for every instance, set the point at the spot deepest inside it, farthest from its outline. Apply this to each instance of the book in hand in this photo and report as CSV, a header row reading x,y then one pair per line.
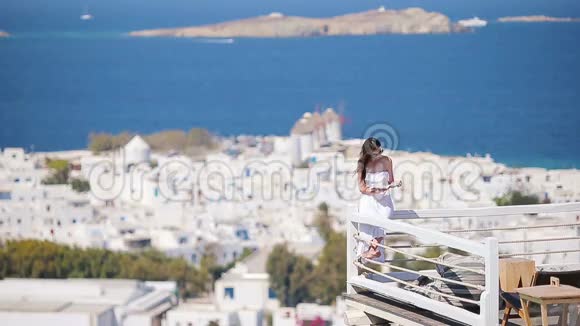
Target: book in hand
x,y
389,187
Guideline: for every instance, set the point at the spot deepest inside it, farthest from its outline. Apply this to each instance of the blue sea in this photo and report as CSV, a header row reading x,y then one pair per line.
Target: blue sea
x,y
510,90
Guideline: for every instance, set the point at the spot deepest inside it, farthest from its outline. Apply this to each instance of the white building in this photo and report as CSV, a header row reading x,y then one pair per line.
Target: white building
x,y
229,202
284,316
199,312
136,151
312,132
242,296
48,212
80,302
247,285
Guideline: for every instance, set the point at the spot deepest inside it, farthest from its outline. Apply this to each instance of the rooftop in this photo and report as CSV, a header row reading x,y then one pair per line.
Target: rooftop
x,y
51,306
41,291
137,143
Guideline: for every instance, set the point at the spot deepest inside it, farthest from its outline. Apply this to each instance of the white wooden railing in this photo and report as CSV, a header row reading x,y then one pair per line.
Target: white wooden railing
x,y
488,249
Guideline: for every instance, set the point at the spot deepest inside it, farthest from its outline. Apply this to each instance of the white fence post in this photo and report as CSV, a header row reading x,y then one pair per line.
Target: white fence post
x,y
490,302
351,270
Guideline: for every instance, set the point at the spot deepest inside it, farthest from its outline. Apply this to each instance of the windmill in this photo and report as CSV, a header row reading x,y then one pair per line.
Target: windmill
x,y
340,109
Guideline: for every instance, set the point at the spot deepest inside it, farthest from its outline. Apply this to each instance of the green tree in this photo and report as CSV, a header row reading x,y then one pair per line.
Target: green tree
x,y
289,276
330,272
100,142
516,198
167,140
323,222
104,142
279,266
207,269
301,280
80,185
121,139
216,270
59,172
199,137
295,279
44,259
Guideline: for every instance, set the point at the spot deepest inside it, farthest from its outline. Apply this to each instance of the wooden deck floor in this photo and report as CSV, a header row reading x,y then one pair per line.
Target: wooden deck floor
x,y
367,308
394,311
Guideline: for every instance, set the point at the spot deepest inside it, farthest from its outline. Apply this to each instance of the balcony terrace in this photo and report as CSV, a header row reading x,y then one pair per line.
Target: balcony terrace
x,y
387,293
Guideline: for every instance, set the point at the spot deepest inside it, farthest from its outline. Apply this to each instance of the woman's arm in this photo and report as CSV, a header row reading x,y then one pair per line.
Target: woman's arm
x,y
362,186
392,175
390,170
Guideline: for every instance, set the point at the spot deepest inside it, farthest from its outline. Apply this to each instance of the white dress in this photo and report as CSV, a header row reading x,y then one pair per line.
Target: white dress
x,y
379,205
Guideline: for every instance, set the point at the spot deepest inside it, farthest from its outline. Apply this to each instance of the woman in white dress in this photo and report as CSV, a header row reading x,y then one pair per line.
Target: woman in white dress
x,y
375,179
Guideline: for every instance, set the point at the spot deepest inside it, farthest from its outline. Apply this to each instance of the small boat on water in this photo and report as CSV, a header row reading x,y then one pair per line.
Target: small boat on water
x,y
219,40
473,22
86,15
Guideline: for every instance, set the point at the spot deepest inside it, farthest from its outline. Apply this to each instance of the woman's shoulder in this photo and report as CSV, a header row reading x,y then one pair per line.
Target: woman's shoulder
x,y
386,159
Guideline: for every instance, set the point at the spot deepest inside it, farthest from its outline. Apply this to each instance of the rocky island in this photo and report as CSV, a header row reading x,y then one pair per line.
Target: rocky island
x,y
537,19
379,21
4,34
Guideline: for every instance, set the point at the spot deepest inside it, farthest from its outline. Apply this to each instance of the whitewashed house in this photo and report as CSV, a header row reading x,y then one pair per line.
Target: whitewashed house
x,y
136,151
200,312
80,302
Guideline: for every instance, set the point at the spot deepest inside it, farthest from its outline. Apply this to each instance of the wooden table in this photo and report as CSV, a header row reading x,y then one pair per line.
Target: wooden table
x,y
548,294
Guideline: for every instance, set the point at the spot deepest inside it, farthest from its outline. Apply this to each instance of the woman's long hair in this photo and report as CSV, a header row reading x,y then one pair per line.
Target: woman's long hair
x,y
369,148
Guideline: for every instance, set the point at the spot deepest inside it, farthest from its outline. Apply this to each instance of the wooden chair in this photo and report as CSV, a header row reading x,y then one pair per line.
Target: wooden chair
x,y
512,299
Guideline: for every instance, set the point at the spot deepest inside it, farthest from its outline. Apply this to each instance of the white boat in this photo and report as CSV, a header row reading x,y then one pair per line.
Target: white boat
x,y
276,15
473,22
219,40
86,15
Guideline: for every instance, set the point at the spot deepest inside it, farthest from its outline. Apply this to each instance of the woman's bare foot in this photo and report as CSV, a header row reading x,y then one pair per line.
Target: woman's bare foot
x,y
371,253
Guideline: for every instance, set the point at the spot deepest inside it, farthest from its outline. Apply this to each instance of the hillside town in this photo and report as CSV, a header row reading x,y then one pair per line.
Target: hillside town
x,y
247,195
